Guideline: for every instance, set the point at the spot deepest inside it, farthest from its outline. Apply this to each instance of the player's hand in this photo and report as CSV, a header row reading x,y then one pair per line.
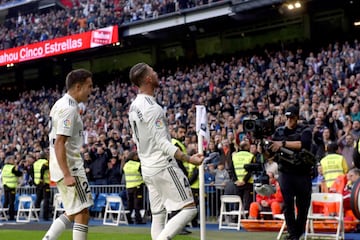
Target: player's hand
x,y
196,159
69,181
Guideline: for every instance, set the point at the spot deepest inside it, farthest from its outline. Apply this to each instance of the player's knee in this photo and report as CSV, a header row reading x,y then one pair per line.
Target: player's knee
x,y
190,212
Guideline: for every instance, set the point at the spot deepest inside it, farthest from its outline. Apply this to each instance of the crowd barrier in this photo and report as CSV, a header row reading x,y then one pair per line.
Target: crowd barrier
x,y
99,192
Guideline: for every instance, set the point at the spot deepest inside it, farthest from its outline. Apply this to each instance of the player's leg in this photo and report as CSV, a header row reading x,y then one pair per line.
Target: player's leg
x,y
58,227
80,228
76,201
177,192
63,221
79,208
158,211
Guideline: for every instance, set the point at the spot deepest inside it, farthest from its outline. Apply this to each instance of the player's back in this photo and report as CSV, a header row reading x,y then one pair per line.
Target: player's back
x,y
150,134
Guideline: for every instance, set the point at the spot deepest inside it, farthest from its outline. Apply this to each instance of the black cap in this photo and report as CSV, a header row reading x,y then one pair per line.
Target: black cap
x,y
292,111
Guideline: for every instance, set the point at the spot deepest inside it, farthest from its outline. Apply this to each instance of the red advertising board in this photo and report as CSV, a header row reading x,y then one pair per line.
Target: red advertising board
x,y
73,43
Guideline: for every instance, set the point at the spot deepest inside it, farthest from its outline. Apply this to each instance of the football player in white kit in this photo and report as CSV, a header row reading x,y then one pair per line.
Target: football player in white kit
x,y
66,163
169,189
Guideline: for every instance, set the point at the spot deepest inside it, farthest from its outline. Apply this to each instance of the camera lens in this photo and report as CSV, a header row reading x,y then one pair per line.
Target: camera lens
x,y
249,126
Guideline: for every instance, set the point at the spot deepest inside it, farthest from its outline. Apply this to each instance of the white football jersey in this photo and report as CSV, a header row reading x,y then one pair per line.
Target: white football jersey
x,y
151,135
65,120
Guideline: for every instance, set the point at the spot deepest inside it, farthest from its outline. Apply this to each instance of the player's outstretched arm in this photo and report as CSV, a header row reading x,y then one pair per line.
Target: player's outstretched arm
x,y
195,159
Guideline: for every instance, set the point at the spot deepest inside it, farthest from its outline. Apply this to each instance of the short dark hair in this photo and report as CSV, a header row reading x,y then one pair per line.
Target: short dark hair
x,y
179,127
138,72
77,76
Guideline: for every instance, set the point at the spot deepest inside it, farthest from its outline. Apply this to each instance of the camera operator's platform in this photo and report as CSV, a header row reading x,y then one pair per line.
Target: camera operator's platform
x,y
254,225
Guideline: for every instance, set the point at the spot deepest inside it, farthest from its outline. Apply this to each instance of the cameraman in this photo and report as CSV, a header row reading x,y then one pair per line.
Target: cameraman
x,y
294,171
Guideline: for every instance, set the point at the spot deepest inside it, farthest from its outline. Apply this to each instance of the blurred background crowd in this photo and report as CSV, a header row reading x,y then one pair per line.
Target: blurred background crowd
x,y
83,15
324,83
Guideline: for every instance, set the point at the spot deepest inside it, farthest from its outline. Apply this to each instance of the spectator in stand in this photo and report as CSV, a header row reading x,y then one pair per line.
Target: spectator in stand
x,y
87,165
319,148
355,131
346,143
319,182
221,179
210,190
114,172
100,164
226,156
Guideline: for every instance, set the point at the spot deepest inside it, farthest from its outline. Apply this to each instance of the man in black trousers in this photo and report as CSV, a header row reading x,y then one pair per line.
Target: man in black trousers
x,y
294,171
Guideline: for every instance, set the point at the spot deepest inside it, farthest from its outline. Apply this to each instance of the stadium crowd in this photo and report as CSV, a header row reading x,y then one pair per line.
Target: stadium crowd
x,y
325,85
85,15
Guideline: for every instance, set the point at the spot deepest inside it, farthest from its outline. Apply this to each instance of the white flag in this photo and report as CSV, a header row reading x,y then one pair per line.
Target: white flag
x,y
202,122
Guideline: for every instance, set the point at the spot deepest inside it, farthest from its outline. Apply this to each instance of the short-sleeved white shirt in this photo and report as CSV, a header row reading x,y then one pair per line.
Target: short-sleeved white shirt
x,y
151,135
65,120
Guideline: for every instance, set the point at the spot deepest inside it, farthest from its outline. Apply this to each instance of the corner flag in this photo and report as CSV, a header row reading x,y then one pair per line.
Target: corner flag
x,y
202,130
202,122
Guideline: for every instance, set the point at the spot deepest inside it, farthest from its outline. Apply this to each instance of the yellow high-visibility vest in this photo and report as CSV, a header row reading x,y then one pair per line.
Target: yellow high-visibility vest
x,y
174,141
332,168
239,160
37,171
8,177
133,177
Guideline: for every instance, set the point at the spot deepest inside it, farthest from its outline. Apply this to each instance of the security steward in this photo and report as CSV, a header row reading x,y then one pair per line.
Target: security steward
x,y
333,165
243,179
177,140
134,186
295,170
42,182
9,177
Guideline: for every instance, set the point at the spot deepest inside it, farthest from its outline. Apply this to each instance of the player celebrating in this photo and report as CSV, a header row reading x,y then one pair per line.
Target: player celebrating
x,y
168,186
66,164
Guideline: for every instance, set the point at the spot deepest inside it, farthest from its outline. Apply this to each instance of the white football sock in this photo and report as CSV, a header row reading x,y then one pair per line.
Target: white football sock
x,y
177,223
80,231
158,223
57,227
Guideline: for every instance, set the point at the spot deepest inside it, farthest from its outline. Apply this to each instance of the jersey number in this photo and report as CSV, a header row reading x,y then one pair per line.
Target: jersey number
x,y
86,187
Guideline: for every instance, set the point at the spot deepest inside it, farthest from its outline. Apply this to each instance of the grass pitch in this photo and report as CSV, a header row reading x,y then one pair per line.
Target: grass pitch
x,y
134,233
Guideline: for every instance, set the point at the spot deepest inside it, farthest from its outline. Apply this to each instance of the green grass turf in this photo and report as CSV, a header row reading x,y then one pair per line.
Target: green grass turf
x,y
131,233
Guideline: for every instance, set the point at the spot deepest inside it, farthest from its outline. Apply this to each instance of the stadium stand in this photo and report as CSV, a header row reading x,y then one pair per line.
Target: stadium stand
x,y
324,81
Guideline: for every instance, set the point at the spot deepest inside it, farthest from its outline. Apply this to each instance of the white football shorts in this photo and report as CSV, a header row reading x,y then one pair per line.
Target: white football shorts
x,y
75,198
169,188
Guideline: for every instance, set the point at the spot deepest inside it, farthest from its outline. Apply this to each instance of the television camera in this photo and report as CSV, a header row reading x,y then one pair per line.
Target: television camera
x,y
262,184
259,129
